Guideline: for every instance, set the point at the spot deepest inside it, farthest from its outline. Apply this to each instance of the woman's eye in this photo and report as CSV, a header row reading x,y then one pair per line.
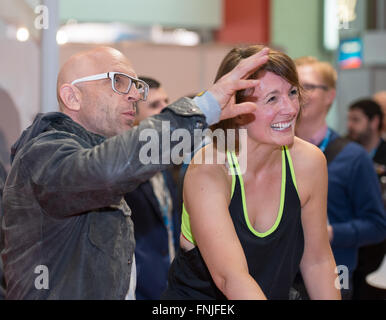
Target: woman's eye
x,y
294,92
271,99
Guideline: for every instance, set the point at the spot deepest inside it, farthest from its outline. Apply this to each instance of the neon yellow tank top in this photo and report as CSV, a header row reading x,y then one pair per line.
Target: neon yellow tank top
x,y
235,170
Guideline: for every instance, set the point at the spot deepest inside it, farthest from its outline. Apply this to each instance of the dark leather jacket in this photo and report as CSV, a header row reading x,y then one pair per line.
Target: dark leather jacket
x,y
64,207
3,176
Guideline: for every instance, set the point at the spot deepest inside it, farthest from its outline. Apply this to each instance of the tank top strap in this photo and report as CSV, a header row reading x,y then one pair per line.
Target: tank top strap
x,y
291,167
232,169
185,218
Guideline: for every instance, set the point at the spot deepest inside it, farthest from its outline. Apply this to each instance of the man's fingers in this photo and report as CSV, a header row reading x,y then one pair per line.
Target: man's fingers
x,y
245,107
249,65
235,80
232,111
244,84
262,62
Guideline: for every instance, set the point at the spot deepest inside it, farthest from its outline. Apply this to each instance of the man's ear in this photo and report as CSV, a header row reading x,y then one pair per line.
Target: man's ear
x,y
331,96
374,123
71,96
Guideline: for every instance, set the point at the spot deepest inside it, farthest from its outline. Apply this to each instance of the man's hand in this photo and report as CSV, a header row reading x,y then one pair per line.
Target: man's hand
x,y
225,88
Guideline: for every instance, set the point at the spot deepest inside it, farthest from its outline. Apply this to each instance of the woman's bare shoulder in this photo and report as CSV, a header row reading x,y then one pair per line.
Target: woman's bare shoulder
x,y
207,167
306,155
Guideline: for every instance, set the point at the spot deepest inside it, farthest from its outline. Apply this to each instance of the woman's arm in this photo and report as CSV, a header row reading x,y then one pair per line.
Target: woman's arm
x,y
318,264
206,197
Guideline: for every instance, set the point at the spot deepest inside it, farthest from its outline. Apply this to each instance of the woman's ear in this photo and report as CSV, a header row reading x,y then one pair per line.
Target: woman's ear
x,y
70,96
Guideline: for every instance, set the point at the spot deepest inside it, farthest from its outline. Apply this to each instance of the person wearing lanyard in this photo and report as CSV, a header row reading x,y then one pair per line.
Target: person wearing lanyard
x,y
155,215
355,210
364,125
323,145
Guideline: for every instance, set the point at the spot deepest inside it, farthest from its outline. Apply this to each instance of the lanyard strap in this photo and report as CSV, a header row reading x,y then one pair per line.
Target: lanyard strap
x,y
323,145
372,152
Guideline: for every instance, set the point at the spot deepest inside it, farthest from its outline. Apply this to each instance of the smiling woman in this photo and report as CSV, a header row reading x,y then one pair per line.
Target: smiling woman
x,y
279,66
245,234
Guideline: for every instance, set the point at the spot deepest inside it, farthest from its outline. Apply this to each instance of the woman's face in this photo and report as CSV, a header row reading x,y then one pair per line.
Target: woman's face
x,y
277,102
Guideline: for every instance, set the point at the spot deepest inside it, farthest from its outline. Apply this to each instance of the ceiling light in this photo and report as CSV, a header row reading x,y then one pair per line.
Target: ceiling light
x,y
22,34
61,37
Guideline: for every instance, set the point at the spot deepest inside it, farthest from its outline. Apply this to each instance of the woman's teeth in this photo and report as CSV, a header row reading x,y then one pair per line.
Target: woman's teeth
x,y
281,126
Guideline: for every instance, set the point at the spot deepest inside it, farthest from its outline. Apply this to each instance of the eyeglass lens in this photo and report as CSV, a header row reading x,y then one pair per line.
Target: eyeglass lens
x,y
311,87
122,84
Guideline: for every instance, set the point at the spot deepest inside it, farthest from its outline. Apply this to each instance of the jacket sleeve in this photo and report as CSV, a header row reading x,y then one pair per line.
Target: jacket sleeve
x,y
368,225
69,178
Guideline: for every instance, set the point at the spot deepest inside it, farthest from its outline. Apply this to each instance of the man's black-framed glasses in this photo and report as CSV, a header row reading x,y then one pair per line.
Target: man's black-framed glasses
x,y
120,82
312,87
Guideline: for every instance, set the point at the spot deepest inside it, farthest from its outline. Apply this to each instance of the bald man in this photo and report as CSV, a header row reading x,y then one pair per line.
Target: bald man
x,y
68,231
380,98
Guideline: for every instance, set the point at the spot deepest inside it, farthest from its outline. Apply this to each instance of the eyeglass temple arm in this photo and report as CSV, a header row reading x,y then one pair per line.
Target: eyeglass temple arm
x,y
90,78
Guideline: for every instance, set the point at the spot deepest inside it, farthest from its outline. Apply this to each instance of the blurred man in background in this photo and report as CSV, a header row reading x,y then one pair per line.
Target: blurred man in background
x,y
380,98
156,101
156,219
364,125
355,208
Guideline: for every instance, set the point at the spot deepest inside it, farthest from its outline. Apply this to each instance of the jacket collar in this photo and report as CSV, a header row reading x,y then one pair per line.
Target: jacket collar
x,y
59,121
